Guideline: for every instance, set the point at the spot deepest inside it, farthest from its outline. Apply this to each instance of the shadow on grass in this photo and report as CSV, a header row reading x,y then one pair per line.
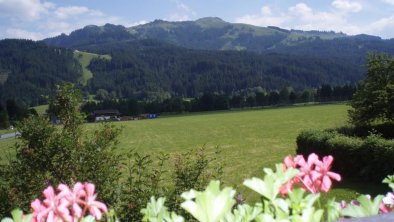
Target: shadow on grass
x,y
350,189
363,187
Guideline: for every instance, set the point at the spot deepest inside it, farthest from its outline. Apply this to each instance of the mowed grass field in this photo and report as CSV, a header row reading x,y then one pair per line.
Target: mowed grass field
x,y
248,140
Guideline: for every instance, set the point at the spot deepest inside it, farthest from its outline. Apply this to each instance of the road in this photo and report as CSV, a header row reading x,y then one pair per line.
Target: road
x,y
9,135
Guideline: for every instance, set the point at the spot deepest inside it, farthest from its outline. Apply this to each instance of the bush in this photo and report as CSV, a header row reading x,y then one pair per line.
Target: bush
x,y
386,130
374,98
148,176
369,159
48,154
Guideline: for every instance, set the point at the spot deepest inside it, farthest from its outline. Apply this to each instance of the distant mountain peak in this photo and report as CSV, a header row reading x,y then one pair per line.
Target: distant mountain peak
x,y
211,19
211,22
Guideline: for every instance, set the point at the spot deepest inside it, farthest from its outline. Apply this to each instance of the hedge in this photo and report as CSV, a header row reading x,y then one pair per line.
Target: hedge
x,y
386,130
369,159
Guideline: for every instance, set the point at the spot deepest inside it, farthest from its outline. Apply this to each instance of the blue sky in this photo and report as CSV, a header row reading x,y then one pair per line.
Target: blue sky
x,y
38,19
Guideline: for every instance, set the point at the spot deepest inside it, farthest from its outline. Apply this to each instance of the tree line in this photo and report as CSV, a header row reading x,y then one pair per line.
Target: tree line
x,y
213,101
11,112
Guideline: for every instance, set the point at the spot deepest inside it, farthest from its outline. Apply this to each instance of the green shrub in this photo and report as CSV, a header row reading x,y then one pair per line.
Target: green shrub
x,y
369,159
48,154
147,176
385,130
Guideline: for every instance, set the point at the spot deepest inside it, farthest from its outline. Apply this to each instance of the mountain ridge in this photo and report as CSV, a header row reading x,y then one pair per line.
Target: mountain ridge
x,y
211,33
162,59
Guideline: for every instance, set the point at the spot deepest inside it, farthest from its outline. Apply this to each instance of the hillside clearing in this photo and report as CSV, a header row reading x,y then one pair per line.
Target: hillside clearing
x,y
84,58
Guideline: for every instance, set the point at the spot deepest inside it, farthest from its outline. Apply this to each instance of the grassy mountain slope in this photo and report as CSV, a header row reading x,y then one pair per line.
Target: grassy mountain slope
x,y
84,58
89,35
214,33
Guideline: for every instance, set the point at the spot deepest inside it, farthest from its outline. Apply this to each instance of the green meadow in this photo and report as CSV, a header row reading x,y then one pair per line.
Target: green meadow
x,y
249,140
84,58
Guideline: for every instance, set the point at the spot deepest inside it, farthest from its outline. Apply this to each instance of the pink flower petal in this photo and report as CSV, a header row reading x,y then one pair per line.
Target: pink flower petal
x,y
327,160
334,176
95,212
49,193
77,210
36,205
326,185
288,162
90,189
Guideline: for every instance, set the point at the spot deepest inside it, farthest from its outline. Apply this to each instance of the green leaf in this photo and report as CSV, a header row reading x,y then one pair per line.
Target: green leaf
x,y
309,215
89,218
210,205
273,181
333,210
390,181
244,213
28,218
17,215
366,208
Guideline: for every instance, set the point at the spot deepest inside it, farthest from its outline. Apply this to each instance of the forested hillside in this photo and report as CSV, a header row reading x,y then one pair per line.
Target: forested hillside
x,y
184,59
30,70
148,68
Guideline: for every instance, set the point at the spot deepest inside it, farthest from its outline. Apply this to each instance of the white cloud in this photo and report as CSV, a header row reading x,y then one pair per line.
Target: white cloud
x,y
35,20
391,2
65,12
23,9
183,13
301,9
141,22
382,27
347,5
302,16
262,21
266,18
23,34
266,10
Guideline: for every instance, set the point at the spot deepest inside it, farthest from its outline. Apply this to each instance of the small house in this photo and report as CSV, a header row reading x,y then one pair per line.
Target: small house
x,y
106,115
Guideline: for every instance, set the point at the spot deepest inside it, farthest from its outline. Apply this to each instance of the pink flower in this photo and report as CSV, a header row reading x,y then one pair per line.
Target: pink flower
x,y
389,199
308,176
323,169
68,205
73,197
95,207
387,204
384,209
314,175
51,209
343,204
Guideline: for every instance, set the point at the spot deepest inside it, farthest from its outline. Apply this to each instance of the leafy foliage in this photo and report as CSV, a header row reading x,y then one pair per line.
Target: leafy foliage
x,y
374,100
47,154
369,159
215,204
146,176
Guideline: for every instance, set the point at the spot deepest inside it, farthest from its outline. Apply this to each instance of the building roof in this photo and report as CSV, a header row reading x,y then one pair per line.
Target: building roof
x,y
106,112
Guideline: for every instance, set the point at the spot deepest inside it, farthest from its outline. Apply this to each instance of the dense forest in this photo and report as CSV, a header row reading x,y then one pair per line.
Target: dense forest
x,y
30,70
150,69
162,60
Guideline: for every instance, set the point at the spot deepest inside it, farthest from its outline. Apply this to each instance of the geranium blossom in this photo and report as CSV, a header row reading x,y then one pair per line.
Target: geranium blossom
x,y
314,175
95,207
323,172
68,205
